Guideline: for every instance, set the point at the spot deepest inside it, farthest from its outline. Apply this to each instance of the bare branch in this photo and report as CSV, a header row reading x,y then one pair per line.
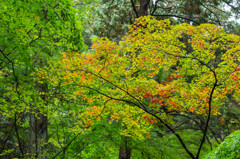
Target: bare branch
x,y
134,8
177,16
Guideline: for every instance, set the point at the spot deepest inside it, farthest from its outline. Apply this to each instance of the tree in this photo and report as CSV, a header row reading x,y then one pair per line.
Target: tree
x,y
196,11
229,148
202,64
32,32
107,23
110,18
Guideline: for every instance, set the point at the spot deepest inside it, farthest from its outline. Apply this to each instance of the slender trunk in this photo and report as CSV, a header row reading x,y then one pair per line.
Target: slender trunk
x,y
32,136
37,136
124,152
221,135
64,152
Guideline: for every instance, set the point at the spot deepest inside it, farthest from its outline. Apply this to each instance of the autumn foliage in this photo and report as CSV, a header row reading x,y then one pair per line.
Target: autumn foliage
x,y
158,68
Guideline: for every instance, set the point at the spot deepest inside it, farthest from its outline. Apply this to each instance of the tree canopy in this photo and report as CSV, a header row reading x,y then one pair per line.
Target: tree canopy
x,y
157,88
202,64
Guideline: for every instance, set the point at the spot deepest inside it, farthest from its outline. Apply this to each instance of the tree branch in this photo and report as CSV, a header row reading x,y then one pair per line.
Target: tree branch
x,y
209,116
177,16
147,111
18,138
134,8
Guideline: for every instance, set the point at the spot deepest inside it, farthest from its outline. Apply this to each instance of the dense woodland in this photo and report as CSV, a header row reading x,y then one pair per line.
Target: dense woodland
x,y
127,79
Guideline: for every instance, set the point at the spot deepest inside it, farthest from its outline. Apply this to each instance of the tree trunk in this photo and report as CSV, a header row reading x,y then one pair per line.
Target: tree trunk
x,y
38,137
144,7
124,153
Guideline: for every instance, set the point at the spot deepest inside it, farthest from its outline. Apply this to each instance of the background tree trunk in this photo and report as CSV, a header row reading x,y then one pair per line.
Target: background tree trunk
x,y
124,152
144,7
38,134
38,137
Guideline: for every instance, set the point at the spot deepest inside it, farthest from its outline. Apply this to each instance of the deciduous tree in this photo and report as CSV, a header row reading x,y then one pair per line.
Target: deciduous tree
x,y
32,32
203,66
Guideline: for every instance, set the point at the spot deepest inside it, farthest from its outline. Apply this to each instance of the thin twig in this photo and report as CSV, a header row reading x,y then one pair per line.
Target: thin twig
x,y
177,16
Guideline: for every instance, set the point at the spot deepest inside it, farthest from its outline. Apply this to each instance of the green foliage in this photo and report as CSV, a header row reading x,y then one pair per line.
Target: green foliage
x,y
99,101
30,35
228,149
165,146
32,32
108,19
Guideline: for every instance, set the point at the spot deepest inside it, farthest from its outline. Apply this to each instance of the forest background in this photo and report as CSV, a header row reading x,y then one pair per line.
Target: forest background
x,y
119,79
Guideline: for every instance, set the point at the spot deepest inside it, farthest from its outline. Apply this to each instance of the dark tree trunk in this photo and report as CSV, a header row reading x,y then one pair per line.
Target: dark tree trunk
x,y
124,153
144,7
38,137
38,122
